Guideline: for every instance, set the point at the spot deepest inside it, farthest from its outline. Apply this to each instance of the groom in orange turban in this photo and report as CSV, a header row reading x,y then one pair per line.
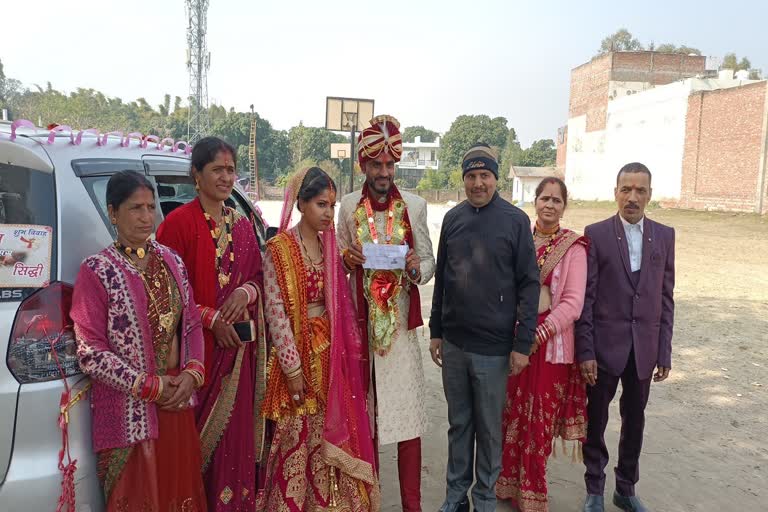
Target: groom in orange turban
x,y
388,303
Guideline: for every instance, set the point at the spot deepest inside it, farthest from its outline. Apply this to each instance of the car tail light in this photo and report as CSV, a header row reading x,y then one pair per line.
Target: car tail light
x,y
42,344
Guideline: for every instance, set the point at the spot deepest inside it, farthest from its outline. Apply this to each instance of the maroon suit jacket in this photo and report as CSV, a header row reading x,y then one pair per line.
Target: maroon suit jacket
x,y
619,314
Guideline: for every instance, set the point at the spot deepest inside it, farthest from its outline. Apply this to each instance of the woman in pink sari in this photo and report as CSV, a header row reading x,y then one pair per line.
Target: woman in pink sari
x,y
220,249
139,339
322,455
548,399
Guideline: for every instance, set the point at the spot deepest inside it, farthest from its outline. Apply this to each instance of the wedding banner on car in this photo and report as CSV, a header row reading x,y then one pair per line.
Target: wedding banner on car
x,y
25,255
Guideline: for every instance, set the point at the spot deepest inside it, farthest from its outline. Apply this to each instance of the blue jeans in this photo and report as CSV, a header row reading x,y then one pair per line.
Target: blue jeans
x,y
475,389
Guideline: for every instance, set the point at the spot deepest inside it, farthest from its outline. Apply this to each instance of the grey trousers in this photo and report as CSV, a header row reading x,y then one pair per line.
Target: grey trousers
x,y
475,389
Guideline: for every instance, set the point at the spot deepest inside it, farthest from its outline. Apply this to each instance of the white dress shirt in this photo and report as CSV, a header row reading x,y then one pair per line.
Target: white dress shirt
x,y
634,234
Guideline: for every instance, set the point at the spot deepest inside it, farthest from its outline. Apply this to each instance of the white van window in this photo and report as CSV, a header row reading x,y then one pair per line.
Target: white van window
x,y
27,196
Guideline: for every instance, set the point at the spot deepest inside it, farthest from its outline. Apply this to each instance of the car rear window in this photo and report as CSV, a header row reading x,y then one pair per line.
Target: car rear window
x,y
27,230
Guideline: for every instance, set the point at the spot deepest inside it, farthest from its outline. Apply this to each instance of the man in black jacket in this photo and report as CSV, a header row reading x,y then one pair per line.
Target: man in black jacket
x,y
482,325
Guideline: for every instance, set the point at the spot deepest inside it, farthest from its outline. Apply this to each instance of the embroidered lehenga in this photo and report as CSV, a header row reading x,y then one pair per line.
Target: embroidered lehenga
x,y
322,454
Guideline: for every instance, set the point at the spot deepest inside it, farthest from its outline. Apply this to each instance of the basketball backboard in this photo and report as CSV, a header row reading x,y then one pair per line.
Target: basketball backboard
x,y
340,150
344,114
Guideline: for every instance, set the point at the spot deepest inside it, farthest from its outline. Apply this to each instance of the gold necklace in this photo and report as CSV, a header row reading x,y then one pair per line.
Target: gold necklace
x,y
165,319
140,252
224,277
306,252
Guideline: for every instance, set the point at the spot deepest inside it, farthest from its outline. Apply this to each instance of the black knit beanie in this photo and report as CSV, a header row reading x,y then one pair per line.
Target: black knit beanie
x,y
480,156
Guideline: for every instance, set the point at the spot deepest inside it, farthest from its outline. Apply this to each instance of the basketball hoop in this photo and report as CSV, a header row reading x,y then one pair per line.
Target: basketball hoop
x,y
347,115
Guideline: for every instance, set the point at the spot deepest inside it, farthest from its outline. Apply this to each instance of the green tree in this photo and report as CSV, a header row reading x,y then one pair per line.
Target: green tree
x,y
272,150
620,41
311,143
433,179
411,132
467,130
509,156
542,153
9,88
88,108
455,179
731,61
671,48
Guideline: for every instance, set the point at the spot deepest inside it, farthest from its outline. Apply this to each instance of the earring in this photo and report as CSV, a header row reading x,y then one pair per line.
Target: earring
x,y
114,220
197,186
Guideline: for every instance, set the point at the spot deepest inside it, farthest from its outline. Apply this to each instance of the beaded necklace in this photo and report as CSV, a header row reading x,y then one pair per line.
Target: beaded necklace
x,y
224,277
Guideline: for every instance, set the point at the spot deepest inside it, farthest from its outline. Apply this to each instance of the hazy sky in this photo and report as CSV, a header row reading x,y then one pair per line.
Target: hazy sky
x,y
423,61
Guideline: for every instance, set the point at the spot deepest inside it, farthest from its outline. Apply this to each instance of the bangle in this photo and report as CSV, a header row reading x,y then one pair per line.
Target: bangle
x,y
196,377
146,388
137,384
207,317
159,389
292,374
196,369
246,292
250,292
150,387
215,317
544,332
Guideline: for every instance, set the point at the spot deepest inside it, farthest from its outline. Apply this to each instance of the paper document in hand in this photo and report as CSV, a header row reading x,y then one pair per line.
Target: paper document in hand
x,y
384,257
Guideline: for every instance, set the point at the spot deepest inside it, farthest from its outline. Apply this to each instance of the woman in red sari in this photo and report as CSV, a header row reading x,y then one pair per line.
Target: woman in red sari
x,y
548,399
322,455
139,339
221,251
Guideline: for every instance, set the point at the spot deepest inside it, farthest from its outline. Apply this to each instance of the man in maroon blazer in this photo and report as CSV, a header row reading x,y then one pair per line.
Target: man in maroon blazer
x,y
625,331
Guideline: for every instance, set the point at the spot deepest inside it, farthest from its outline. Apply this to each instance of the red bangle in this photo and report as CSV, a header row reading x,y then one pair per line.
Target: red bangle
x,y
208,317
146,388
197,370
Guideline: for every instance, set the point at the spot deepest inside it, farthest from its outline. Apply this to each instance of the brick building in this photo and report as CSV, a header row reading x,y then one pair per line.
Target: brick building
x,y
724,163
701,133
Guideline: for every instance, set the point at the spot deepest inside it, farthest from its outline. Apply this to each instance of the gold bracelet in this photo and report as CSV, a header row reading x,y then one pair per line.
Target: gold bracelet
x,y
293,373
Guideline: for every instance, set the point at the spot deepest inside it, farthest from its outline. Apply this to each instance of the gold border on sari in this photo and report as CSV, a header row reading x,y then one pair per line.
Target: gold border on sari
x,y
218,419
356,468
567,240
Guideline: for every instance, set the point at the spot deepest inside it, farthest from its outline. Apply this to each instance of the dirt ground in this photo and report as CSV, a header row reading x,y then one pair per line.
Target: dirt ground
x,y
703,450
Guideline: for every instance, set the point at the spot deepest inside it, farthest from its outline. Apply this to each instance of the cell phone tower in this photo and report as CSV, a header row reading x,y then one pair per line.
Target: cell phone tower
x,y
198,63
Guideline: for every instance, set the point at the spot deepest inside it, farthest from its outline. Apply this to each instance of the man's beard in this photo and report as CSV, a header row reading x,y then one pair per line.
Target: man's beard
x,y
379,188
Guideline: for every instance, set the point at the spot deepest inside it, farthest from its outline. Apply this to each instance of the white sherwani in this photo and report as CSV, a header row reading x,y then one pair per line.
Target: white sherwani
x,y
399,375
